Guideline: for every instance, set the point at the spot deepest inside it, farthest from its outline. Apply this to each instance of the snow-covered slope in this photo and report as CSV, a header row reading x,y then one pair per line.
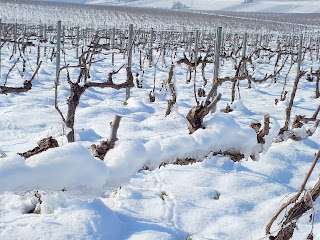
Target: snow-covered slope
x,y
216,199
286,6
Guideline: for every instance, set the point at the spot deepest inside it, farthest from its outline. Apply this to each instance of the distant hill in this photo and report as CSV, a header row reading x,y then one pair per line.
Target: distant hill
x,y
276,6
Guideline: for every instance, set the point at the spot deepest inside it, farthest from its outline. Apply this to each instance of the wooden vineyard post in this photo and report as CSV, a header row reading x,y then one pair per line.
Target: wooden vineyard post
x,y
113,43
256,42
299,54
196,46
216,62
189,49
161,37
188,42
78,40
151,52
106,36
63,32
244,44
195,63
40,31
130,40
291,47
163,48
217,56
15,38
244,50
58,51
45,38
85,34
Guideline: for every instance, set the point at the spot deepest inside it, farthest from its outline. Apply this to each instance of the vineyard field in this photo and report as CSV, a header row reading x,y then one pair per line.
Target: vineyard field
x,y
207,131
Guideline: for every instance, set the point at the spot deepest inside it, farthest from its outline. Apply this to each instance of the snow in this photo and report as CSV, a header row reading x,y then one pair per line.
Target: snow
x,y
262,6
70,166
275,6
232,19
86,198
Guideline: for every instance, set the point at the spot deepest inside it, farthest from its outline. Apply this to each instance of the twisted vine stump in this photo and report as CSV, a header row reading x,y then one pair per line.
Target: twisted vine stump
x,y
288,109
288,223
76,91
101,150
261,133
196,114
43,145
201,92
27,84
298,122
152,96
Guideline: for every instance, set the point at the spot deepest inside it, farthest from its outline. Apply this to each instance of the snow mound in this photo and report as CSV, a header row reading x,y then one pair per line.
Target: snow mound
x,y
239,106
70,166
222,133
136,105
150,234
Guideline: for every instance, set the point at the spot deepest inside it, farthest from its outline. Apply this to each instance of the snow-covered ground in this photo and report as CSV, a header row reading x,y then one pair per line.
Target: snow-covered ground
x,y
275,6
111,199
286,6
118,16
